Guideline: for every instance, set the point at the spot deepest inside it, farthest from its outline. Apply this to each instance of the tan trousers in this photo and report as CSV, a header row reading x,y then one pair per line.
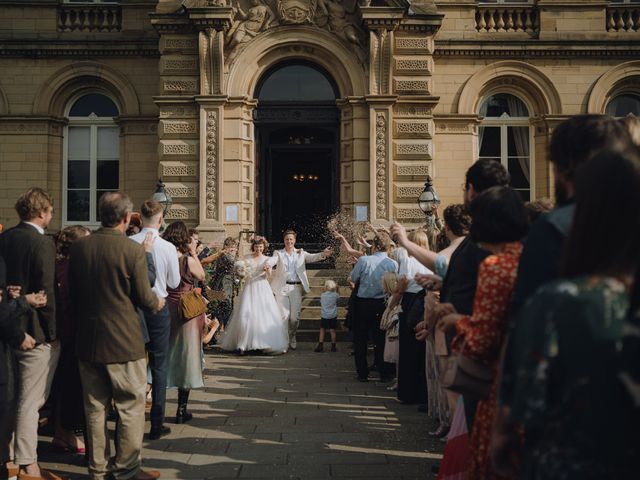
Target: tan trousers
x,y
125,383
290,299
35,371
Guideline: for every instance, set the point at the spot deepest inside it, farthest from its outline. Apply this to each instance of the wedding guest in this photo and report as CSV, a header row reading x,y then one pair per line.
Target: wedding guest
x,y
67,386
158,324
632,124
393,287
579,422
412,382
221,282
185,342
30,258
328,315
537,208
12,336
572,144
369,306
108,280
498,224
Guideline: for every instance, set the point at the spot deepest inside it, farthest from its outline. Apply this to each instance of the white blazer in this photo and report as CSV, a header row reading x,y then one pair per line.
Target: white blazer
x,y
279,278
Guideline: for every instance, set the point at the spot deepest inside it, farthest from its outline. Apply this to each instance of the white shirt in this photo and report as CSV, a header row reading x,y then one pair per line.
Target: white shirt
x,y
37,227
292,260
409,266
166,259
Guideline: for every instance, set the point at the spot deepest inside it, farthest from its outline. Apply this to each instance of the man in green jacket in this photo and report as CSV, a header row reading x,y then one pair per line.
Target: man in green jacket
x,y
108,281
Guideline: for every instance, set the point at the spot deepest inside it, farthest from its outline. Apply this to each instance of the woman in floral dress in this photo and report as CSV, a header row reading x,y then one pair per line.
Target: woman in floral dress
x,y
499,222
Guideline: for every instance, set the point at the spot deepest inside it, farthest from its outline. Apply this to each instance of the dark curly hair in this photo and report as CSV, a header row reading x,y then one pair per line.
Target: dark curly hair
x,y
457,219
486,173
258,240
67,236
178,234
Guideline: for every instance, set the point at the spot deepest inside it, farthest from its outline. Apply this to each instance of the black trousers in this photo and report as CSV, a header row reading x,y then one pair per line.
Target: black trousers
x,y
412,381
368,313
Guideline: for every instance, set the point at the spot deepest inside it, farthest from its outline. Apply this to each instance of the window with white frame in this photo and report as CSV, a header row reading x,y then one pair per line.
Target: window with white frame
x,y
92,157
504,136
623,105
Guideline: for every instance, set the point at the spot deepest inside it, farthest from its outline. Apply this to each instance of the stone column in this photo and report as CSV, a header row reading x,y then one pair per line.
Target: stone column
x,y
412,124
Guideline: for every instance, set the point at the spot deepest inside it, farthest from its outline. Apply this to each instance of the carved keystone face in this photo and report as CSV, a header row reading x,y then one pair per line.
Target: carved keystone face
x,y
295,15
297,11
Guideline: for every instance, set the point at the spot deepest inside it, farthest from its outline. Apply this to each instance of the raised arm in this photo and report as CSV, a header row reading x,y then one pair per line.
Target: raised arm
x,y
347,246
425,257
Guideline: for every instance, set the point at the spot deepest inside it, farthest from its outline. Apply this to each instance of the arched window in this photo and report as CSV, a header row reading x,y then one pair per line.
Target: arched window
x,y
297,82
92,157
504,137
623,105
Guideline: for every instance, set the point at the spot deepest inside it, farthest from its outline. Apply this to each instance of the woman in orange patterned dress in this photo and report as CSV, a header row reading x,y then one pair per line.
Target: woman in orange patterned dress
x,y
499,222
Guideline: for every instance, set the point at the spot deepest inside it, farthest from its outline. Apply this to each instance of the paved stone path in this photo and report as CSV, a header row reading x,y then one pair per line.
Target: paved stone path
x,y
300,415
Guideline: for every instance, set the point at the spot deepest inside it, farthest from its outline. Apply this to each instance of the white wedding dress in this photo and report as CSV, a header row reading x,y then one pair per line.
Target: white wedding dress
x,y
257,322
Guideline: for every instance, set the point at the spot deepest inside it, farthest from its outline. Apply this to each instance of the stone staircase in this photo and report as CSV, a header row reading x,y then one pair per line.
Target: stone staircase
x,y
310,312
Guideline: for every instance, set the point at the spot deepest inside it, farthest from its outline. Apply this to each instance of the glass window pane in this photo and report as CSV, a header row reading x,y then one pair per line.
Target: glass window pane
x,y
518,141
78,174
95,103
79,143
296,83
99,194
490,141
78,206
108,143
519,170
107,175
503,104
623,105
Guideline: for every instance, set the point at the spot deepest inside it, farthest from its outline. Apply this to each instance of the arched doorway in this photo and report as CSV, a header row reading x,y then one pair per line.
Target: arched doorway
x,y
297,138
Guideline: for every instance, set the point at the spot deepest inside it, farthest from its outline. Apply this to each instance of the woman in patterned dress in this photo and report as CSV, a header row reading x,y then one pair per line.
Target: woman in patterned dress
x,y
571,395
499,222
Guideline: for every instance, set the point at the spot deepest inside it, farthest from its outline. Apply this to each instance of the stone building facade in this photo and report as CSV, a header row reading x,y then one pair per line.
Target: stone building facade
x,y
263,114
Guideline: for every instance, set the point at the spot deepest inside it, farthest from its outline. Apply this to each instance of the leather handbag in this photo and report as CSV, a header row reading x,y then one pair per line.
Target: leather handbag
x,y
467,376
191,305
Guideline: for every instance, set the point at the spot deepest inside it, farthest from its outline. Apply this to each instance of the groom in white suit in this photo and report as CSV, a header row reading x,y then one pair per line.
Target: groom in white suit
x,y
291,277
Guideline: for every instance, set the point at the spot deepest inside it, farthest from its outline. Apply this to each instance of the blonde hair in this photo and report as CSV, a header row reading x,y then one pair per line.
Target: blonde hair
x,y
330,286
389,282
419,237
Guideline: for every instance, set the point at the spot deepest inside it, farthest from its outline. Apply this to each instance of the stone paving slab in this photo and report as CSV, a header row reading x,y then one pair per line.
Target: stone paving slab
x,y
301,415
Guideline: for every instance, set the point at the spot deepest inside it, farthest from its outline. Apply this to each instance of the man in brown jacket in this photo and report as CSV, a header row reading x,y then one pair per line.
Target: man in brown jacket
x,y
108,281
30,257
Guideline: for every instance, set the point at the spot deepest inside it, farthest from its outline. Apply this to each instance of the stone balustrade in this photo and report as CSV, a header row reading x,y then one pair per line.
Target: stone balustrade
x,y
101,18
623,18
506,18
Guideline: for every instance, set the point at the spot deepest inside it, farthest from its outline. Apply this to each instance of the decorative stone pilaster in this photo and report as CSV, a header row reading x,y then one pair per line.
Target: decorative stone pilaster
x,y
381,114
211,113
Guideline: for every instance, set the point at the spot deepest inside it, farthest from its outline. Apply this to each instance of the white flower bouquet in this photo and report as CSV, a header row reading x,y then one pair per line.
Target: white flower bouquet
x,y
243,268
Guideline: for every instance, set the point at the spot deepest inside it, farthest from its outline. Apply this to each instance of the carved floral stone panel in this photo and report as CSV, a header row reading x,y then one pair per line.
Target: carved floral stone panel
x,y
413,149
211,165
381,165
414,170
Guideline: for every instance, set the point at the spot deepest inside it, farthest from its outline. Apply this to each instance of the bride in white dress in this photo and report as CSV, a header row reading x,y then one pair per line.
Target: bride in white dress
x,y
257,322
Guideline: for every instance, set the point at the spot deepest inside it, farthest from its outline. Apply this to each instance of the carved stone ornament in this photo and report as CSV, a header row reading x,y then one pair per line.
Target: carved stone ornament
x,y
251,18
297,11
211,178
381,166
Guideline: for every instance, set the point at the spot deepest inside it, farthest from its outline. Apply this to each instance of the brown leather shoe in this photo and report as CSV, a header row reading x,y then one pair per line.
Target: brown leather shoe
x,y
146,475
44,475
8,473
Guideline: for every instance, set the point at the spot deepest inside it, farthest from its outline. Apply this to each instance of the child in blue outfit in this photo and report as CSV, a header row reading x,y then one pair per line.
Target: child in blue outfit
x,y
329,314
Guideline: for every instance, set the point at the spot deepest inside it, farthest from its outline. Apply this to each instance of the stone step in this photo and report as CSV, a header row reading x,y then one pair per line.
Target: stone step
x,y
314,323
314,312
315,291
311,301
311,335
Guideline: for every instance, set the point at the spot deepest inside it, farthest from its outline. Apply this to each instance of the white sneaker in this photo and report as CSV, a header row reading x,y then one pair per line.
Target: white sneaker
x,y
293,344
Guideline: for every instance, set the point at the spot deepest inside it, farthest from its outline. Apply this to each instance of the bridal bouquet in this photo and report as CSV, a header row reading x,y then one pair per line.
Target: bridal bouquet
x,y
243,268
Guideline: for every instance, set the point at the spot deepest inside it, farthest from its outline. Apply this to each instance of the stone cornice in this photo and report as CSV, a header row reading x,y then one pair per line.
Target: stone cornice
x,y
97,48
536,49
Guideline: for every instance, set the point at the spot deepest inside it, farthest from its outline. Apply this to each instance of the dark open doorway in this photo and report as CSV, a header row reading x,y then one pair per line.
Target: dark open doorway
x,y
297,140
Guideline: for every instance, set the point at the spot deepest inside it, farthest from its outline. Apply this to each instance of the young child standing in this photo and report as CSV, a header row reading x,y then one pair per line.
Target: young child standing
x,y
329,314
